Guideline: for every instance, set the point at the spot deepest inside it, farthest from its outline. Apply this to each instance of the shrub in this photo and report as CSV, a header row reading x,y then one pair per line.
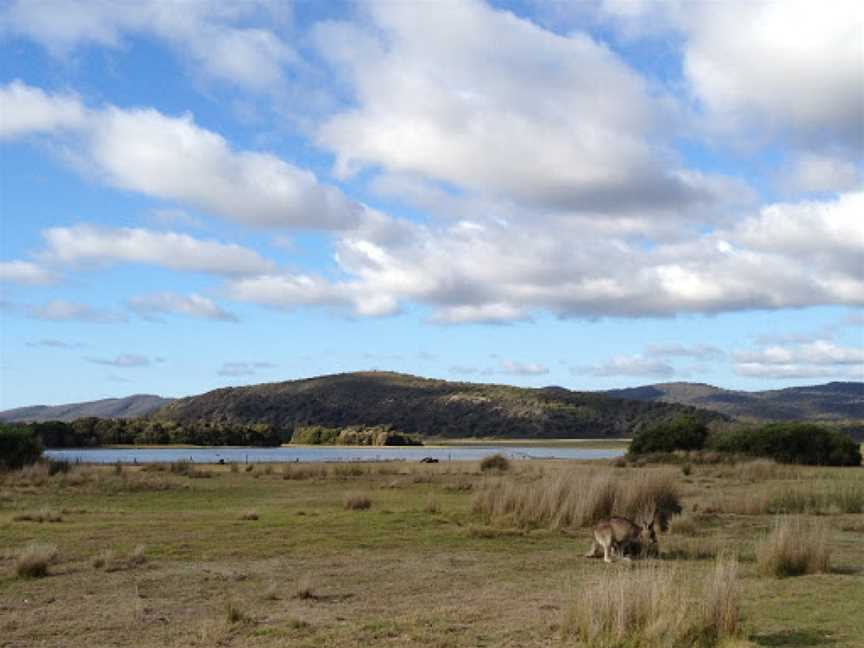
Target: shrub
x,y
790,443
33,561
19,446
793,549
495,462
681,433
357,502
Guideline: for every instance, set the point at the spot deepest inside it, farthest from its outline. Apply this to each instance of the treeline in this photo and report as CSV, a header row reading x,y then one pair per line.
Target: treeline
x,y
792,443
364,435
92,431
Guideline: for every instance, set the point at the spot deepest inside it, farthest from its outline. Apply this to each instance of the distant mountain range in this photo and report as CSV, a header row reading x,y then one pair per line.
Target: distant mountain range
x,y
834,401
449,409
129,407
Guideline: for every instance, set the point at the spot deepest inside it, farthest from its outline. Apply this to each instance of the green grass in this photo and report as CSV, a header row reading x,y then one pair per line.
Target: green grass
x,y
394,575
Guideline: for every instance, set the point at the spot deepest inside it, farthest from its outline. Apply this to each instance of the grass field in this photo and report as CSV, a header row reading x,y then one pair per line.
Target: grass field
x,y
398,555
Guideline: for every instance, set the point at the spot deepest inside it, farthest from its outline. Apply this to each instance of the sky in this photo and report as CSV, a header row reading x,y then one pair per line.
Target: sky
x,y
197,194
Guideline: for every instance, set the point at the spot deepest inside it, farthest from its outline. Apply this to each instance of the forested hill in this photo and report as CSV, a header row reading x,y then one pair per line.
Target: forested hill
x,y
427,407
834,401
129,407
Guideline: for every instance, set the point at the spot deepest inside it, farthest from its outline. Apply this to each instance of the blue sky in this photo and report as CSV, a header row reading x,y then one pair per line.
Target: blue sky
x,y
593,195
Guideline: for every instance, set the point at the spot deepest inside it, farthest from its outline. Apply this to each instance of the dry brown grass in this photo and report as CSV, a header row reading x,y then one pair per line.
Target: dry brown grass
x,y
357,502
432,506
249,515
564,499
33,561
653,606
496,462
684,525
794,548
45,515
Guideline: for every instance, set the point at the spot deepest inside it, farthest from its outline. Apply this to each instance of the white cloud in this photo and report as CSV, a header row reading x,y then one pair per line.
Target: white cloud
x,y
59,310
677,350
224,41
234,369
55,344
25,272
83,244
193,305
821,173
25,110
511,367
818,359
787,255
632,365
124,361
172,158
465,94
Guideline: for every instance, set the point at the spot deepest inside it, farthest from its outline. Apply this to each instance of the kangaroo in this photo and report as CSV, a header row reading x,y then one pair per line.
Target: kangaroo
x,y
617,534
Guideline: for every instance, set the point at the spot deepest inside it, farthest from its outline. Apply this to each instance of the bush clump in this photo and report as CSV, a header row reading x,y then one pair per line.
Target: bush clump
x,y
33,561
790,443
681,433
794,549
19,446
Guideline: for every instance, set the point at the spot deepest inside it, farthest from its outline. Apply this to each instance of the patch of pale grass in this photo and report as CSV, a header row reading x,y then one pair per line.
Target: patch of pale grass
x,y
432,506
684,525
234,614
496,462
33,561
794,548
653,606
249,515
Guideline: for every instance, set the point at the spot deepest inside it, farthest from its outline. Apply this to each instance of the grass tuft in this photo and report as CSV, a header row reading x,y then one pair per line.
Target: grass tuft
x,y
249,515
357,502
496,462
34,559
794,548
652,607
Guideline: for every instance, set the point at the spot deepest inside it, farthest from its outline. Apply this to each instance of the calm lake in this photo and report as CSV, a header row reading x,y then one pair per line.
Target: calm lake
x,y
301,454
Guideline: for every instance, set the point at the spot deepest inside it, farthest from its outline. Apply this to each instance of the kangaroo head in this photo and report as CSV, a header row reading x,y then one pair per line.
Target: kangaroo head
x,y
647,533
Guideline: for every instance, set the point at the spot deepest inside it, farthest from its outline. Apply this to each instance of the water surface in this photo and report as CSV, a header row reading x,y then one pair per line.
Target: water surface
x,y
288,454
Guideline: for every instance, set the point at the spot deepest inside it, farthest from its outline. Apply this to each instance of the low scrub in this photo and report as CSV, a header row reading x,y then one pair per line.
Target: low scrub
x,y
681,433
579,498
33,561
653,606
794,548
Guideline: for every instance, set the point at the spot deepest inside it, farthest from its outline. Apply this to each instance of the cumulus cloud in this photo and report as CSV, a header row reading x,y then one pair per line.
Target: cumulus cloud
x,y
60,310
786,255
174,159
29,110
628,365
808,78
25,272
193,305
818,359
463,93
820,173
84,244
236,369
222,41
124,361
